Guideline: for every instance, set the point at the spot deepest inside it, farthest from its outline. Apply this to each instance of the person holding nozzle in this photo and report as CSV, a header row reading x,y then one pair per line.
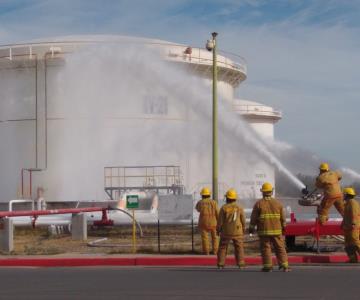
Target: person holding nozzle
x,y
329,181
268,217
231,227
209,213
351,224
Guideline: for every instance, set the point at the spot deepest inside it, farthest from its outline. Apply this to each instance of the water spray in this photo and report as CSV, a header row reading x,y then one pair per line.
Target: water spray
x,y
351,173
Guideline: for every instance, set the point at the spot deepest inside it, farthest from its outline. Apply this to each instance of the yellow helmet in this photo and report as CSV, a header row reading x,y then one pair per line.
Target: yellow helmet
x,y
324,167
266,187
231,194
205,192
349,191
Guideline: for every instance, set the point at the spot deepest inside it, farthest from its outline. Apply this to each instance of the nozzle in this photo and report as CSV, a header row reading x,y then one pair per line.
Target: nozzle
x,y
305,191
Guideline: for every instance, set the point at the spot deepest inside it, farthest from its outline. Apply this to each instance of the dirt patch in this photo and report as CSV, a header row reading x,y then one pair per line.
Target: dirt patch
x,y
173,240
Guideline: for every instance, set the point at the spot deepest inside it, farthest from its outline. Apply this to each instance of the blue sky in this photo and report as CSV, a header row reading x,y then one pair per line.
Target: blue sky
x,y
303,56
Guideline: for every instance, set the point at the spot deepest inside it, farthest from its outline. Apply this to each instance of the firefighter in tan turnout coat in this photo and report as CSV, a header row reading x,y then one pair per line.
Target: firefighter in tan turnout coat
x,y
351,225
329,181
209,213
268,217
231,227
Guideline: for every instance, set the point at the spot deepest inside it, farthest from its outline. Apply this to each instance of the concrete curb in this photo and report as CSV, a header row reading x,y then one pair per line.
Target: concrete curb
x,y
156,261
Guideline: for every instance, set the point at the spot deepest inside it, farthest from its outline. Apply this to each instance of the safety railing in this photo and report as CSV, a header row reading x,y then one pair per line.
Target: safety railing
x,y
12,202
200,56
256,109
121,179
174,51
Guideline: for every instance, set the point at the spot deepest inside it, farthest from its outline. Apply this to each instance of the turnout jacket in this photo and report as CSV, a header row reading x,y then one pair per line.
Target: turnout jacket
x,y
329,182
351,215
268,216
209,213
231,220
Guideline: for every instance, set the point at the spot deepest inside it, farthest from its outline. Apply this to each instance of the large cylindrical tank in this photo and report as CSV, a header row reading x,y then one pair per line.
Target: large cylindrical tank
x,y
66,129
262,119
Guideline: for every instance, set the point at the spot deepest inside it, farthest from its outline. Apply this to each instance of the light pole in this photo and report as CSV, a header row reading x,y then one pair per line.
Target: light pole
x,y
211,46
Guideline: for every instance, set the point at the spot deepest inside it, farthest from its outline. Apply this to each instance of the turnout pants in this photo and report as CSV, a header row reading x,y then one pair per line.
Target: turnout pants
x,y
205,240
238,250
325,206
279,247
352,244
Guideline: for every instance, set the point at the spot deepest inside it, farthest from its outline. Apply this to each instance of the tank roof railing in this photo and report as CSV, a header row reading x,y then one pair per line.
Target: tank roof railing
x,y
237,63
201,56
256,109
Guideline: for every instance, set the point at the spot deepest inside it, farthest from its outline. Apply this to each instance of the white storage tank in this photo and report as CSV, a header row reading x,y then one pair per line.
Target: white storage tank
x,y
262,119
66,129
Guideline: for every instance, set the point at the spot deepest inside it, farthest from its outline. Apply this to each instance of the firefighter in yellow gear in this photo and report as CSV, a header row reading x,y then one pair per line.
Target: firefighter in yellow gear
x,y
209,213
329,181
231,227
268,217
351,225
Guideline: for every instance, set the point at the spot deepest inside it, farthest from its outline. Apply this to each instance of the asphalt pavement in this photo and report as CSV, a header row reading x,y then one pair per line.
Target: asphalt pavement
x,y
304,282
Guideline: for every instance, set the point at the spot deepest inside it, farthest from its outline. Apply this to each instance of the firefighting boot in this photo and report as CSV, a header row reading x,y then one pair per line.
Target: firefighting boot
x,y
284,267
241,266
266,269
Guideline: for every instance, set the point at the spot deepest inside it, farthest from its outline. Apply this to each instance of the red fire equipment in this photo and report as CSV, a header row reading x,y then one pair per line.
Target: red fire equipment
x,y
310,228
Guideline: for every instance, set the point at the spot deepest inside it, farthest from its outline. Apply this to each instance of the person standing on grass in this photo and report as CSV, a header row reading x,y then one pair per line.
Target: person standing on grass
x,y
209,213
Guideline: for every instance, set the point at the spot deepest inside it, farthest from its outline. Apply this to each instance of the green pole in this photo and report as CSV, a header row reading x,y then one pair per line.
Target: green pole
x,y
215,185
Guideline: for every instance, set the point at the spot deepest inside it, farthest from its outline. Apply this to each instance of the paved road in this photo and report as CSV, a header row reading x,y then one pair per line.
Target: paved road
x,y
315,282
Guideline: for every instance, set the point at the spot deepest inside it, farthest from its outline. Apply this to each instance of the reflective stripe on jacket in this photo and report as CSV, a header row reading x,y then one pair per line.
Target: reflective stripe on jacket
x,y
268,216
231,220
209,213
329,182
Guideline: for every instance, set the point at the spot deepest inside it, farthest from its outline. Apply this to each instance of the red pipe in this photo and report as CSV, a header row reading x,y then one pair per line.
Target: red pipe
x,y
35,213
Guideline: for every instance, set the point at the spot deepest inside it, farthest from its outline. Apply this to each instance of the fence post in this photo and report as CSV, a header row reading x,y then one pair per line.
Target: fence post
x,y
79,227
6,235
158,231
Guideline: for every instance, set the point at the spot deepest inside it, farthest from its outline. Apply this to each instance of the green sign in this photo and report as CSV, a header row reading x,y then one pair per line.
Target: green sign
x,y
132,201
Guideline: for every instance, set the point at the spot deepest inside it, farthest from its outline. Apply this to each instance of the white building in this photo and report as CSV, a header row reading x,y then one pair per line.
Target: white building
x,y
41,129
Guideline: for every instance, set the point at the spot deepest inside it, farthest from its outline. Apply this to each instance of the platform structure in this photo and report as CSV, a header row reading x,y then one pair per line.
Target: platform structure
x,y
159,179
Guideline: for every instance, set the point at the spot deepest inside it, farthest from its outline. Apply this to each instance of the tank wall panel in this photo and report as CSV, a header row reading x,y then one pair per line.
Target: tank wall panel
x,y
74,98
78,151
17,151
225,90
17,94
264,129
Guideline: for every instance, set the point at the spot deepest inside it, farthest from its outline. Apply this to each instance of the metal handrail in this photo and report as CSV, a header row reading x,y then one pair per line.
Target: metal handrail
x,y
148,173
255,108
11,202
239,63
200,58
